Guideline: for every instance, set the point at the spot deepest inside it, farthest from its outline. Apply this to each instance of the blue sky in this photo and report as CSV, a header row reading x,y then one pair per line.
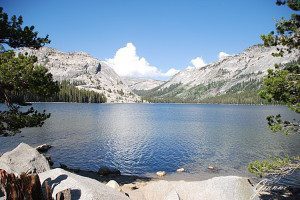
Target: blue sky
x,y
163,33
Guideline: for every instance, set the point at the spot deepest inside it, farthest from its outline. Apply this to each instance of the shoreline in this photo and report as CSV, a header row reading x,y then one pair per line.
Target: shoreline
x,y
120,179
111,183
109,103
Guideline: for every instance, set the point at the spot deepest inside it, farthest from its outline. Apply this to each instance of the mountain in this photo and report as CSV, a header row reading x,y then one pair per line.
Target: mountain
x,y
137,84
234,79
85,72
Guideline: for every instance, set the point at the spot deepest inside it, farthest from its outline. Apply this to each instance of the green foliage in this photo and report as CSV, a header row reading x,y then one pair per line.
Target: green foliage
x,y
13,35
241,93
243,97
14,119
274,165
69,93
19,76
287,31
282,85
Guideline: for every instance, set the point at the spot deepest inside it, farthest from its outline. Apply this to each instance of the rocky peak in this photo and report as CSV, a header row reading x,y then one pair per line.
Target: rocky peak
x,y
85,72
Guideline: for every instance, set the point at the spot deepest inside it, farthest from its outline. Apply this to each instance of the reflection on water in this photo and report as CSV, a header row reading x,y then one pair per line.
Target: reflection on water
x,y
145,138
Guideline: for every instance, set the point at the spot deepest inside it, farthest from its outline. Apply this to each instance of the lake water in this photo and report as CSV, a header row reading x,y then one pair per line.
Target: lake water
x,y
144,138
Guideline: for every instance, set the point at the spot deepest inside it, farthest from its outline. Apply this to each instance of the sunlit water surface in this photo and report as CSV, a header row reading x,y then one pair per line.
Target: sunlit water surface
x,y
141,139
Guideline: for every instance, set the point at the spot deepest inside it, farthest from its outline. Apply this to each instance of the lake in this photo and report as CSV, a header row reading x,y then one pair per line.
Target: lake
x,y
141,139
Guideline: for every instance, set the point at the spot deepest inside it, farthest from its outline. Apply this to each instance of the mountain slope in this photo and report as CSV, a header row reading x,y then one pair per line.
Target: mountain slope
x,y
137,84
85,72
236,75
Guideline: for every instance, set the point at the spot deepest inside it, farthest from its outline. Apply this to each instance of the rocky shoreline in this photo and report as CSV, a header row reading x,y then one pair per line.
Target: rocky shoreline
x,y
105,184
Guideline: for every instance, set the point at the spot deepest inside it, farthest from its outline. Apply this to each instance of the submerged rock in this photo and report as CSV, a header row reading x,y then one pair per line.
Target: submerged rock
x,y
105,171
25,159
80,187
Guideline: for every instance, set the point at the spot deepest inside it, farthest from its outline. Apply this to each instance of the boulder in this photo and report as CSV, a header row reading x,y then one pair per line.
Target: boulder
x,y
43,148
113,184
7,168
25,159
80,187
217,188
104,171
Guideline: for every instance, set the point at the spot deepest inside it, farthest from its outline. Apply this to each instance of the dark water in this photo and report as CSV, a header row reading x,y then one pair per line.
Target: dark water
x,y
144,138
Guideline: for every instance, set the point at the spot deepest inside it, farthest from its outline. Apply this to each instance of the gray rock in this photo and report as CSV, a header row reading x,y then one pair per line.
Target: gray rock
x,y
24,158
141,83
81,187
172,195
218,188
161,173
180,170
113,184
6,167
43,148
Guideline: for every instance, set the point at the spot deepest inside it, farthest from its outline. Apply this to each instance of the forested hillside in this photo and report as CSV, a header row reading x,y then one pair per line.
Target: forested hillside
x,y
70,93
242,93
235,79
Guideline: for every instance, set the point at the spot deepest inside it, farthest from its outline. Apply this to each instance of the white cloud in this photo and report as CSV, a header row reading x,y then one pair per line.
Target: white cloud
x,y
126,62
223,55
197,63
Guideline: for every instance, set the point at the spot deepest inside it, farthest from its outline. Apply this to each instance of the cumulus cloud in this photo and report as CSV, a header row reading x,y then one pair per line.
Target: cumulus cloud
x,y
223,55
126,62
197,63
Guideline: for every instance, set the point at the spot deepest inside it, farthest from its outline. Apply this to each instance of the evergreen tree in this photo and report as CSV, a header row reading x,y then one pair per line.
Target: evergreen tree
x,y
20,76
282,85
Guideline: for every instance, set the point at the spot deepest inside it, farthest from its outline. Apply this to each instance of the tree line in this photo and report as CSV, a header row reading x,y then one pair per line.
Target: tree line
x,y
69,93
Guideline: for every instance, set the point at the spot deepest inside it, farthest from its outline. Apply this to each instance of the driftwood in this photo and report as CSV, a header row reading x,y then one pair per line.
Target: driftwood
x,y
23,187
64,195
47,191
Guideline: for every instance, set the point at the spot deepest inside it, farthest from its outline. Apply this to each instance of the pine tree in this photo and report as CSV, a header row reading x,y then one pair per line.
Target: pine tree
x,y
21,76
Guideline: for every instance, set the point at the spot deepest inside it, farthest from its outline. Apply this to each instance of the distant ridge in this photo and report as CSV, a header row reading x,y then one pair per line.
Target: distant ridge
x,y
234,79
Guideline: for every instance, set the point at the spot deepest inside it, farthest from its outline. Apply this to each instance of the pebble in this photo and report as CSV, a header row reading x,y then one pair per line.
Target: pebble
x,y
161,173
180,170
